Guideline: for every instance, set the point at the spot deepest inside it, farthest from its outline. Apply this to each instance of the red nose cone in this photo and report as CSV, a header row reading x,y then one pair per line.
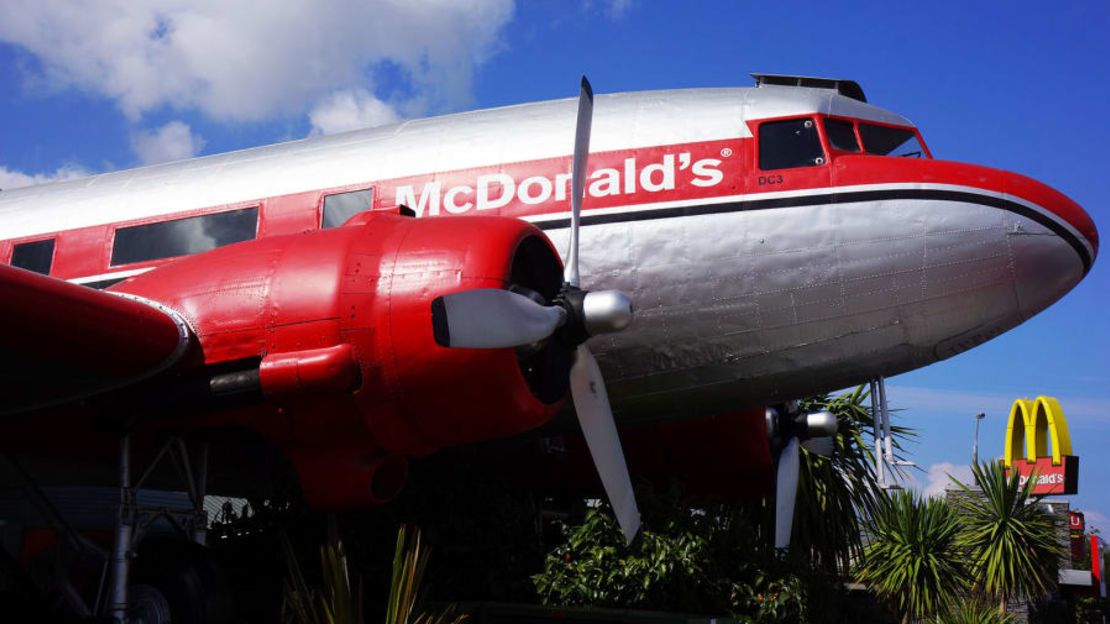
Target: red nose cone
x,y
1062,206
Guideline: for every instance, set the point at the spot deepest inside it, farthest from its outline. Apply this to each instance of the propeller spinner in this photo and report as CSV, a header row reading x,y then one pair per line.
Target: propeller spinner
x,y
491,318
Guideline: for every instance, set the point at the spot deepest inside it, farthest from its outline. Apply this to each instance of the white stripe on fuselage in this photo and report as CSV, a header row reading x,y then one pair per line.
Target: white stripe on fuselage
x,y
817,192
114,275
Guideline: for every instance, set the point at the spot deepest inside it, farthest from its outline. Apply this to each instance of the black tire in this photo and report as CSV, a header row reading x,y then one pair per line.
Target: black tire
x,y
148,605
186,575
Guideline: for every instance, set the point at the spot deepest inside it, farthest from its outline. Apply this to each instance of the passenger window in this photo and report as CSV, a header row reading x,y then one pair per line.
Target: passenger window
x,y
36,256
841,135
340,207
791,143
887,141
182,237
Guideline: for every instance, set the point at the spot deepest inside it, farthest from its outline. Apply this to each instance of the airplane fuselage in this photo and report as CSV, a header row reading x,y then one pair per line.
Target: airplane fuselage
x,y
753,281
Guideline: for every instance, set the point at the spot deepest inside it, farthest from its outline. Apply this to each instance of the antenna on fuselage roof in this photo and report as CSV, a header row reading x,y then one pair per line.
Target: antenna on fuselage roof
x,y
847,88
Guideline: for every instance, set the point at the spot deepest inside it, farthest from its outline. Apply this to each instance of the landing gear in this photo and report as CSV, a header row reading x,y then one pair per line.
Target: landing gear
x,y
184,576
885,462
157,570
164,578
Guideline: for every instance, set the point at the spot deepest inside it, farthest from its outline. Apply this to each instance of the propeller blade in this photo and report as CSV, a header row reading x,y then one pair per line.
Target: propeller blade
x,y
491,318
786,490
823,445
578,176
596,419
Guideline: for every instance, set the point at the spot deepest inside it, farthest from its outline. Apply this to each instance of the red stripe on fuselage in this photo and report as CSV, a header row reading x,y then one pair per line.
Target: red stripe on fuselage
x,y
848,170
675,173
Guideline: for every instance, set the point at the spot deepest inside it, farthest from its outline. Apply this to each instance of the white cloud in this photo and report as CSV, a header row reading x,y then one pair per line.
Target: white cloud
x,y
173,141
244,61
350,109
938,478
10,178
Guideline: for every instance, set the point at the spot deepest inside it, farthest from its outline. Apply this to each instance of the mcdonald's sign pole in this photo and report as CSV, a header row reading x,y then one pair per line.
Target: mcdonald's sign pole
x,y
1032,427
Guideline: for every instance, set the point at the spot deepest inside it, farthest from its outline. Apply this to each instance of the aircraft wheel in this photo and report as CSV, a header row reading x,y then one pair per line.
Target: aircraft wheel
x,y
148,605
187,578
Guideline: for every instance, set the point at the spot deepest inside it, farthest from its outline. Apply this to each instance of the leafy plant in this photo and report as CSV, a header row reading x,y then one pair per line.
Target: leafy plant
x,y
337,604
912,560
594,567
837,494
409,562
1010,541
972,612
1089,608
692,559
718,559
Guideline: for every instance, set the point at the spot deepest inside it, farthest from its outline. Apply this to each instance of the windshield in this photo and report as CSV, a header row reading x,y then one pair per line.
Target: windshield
x,y
842,135
888,141
789,143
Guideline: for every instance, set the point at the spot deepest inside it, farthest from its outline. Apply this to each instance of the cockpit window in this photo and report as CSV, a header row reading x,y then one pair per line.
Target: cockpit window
x,y
790,143
887,141
841,135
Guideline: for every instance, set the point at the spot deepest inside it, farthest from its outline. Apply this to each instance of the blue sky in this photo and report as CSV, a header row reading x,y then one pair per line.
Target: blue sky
x,y
1016,85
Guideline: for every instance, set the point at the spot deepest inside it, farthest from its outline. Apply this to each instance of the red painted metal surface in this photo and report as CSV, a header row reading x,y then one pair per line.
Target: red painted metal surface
x,y
719,458
73,340
319,306
1098,580
852,169
330,370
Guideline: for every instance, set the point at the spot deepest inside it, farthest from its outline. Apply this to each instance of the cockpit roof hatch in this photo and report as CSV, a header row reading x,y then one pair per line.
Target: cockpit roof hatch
x,y
847,88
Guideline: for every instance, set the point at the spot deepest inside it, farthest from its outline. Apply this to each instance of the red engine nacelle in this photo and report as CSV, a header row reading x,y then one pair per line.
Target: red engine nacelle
x,y
337,324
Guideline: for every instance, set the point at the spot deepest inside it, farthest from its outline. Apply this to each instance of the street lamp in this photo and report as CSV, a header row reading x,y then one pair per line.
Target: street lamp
x,y
975,449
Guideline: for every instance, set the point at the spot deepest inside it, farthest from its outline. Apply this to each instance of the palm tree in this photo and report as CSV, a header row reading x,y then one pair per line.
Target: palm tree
x,y
836,494
1010,541
912,560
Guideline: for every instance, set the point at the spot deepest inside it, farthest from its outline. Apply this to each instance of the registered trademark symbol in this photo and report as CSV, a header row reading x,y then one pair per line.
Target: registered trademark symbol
x,y
726,152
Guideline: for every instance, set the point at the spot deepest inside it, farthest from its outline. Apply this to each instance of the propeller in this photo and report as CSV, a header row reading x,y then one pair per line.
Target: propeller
x,y
815,432
578,176
786,492
490,318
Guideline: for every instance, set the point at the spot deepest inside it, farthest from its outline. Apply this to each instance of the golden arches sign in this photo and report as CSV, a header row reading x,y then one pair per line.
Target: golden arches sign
x,y
1033,424
1038,446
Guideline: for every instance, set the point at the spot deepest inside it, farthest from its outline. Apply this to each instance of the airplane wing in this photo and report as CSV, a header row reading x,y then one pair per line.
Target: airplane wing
x,y
60,342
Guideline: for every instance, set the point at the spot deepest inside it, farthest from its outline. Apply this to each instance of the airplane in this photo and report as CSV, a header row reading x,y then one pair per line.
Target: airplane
x,y
363,298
